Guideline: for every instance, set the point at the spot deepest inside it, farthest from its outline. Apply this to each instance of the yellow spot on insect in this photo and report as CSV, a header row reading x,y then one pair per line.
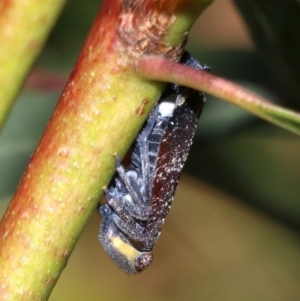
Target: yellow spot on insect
x,y
124,248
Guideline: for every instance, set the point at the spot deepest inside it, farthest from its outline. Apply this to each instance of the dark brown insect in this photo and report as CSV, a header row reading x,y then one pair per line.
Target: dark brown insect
x,y
140,196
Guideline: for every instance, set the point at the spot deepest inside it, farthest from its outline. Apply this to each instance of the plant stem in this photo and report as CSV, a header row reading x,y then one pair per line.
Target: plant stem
x,y
159,69
104,104
24,27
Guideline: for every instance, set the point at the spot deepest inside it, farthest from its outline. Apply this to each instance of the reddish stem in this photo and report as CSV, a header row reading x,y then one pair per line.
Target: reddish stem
x,y
156,68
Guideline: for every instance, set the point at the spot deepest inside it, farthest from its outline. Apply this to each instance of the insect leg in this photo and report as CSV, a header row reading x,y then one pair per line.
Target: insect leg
x,y
116,202
135,202
130,227
124,219
144,151
118,247
126,180
123,205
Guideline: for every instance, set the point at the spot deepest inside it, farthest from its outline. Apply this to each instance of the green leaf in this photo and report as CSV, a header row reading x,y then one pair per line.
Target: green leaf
x,y
274,26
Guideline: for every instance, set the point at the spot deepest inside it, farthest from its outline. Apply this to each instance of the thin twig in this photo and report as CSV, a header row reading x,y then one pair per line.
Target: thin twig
x,y
160,69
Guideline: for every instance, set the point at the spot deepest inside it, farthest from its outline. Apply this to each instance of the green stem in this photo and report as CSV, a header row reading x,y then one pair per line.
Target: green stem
x,y
104,104
159,69
24,27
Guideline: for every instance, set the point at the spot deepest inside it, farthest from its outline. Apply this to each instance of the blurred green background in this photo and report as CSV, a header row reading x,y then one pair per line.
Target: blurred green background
x,y
233,231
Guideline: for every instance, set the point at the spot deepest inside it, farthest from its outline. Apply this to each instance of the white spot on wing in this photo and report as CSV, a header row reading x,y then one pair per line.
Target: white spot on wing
x,y
166,109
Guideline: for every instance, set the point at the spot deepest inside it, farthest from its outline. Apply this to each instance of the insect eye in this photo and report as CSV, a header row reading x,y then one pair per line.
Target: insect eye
x,y
143,261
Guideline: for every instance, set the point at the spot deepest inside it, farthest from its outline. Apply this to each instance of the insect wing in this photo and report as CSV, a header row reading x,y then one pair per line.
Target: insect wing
x,y
172,155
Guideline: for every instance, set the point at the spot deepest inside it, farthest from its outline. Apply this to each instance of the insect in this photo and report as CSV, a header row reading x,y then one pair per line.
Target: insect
x,y
141,194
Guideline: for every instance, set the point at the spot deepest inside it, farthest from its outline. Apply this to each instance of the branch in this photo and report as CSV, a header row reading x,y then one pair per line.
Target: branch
x,y
24,27
104,104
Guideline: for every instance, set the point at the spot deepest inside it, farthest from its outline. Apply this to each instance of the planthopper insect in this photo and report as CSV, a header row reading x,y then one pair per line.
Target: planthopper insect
x,y
140,195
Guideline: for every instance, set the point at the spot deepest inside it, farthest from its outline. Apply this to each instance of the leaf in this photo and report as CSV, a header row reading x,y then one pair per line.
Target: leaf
x,y
274,26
